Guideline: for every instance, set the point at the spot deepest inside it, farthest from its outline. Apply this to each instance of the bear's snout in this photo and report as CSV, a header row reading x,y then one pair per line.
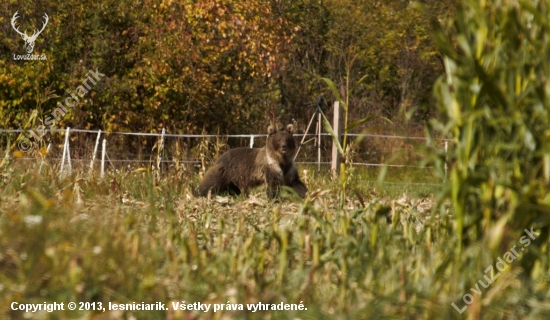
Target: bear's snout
x,y
284,148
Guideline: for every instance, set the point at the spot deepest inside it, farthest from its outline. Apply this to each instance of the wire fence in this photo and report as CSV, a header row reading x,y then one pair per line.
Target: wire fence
x,y
96,149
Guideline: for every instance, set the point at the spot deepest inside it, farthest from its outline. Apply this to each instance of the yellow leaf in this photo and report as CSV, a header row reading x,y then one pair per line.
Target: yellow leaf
x,y
18,154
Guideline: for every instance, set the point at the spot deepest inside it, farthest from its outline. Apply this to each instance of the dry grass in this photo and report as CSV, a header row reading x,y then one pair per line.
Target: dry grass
x,y
132,237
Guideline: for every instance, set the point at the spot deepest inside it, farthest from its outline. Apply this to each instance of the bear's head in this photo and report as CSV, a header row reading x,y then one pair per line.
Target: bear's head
x,y
280,144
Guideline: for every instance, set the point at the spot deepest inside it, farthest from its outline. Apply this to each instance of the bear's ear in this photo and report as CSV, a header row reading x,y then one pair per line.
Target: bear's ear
x,y
270,130
290,128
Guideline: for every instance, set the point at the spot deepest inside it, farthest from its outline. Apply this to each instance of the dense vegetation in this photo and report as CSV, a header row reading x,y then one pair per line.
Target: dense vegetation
x,y
140,239
179,64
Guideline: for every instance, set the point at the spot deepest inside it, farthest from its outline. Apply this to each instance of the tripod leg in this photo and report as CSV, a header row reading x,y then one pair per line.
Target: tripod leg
x,y
304,137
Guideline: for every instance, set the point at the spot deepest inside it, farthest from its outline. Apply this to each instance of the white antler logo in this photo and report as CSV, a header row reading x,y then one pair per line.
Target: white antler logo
x,y
29,41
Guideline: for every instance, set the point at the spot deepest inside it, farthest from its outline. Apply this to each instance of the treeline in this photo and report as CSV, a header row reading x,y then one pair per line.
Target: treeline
x,y
218,66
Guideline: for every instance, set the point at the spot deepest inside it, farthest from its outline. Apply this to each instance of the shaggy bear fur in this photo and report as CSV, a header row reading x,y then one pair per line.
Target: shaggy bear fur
x,y
239,169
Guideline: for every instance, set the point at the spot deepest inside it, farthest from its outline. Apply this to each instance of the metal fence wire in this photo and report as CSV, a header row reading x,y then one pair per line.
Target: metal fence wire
x,y
81,148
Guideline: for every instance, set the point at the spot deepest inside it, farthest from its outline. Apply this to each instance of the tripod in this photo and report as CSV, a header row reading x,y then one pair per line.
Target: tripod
x,y
317,137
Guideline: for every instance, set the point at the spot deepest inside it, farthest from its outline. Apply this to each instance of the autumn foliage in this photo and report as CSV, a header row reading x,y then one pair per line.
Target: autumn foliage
x,y
216,66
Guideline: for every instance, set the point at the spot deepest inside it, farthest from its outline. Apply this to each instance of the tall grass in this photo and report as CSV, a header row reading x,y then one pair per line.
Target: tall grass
x,y
496,105
141,239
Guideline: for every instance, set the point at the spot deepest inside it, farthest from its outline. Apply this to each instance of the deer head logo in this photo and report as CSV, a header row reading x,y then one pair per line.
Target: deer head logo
x,y
29,41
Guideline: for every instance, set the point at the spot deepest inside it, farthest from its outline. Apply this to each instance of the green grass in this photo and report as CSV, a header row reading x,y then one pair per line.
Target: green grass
x,y
416,182
152,241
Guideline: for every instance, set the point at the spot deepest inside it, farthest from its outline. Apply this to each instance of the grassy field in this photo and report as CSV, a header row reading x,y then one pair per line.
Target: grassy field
x,y
132,237
412,246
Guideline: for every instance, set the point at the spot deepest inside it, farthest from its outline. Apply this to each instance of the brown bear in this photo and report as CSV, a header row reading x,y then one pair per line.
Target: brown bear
x,y
239,169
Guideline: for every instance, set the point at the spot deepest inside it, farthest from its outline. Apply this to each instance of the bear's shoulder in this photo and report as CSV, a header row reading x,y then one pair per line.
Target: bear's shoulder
x,y
239,154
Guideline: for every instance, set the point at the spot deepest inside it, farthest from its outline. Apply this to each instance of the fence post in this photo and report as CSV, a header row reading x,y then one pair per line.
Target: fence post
x,y
251,141
95,151
66,153
69,153
103,159
336,157
160,150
